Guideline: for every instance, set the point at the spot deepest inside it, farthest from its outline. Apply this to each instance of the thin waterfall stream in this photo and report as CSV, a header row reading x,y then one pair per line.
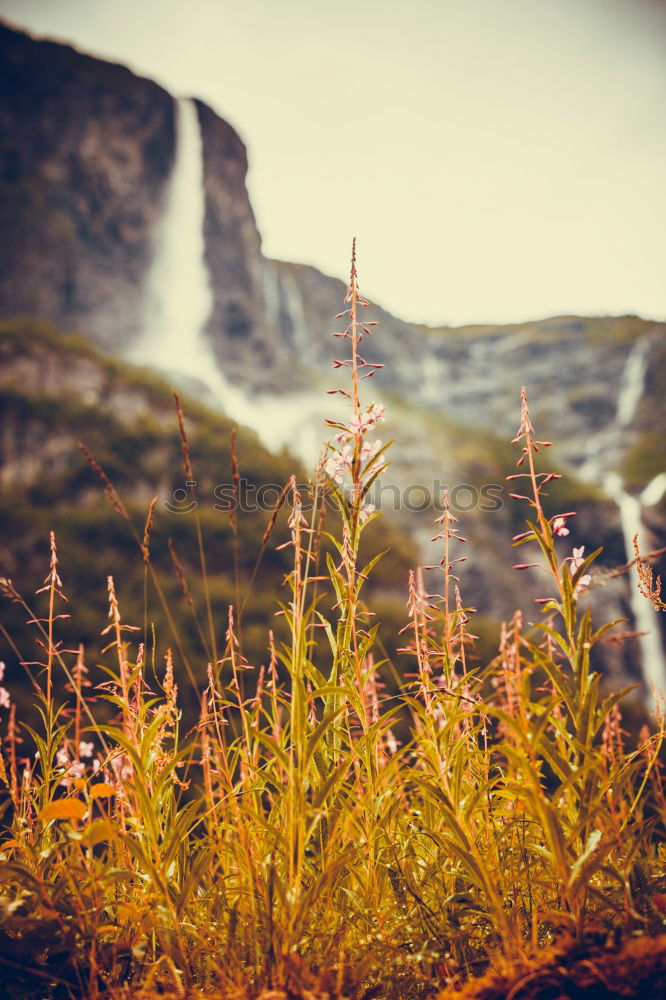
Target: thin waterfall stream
x,y
648,623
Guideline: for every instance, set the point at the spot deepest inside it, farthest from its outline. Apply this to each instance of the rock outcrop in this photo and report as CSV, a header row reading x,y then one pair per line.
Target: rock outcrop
x,y
85,151
240,326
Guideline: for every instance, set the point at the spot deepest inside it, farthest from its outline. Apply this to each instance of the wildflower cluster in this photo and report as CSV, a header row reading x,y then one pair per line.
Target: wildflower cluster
x,y
75,764
350,445
353,462
545,530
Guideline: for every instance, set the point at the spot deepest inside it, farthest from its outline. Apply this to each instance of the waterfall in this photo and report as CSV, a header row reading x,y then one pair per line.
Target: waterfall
x,y
179,303
647,620
179,300
633,383
654,490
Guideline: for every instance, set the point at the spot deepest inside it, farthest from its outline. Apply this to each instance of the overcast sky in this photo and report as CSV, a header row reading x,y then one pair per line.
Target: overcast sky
x,y
498,160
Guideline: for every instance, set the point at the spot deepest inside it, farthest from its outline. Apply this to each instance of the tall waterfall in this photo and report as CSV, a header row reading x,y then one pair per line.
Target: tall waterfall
x,y
179,302
647,620
178,296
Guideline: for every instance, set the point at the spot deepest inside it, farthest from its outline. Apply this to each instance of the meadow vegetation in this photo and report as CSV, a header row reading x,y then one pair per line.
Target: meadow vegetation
x,y
323,828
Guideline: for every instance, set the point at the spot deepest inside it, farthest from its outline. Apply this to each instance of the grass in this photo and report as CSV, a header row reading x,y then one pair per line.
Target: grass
x,y
311,834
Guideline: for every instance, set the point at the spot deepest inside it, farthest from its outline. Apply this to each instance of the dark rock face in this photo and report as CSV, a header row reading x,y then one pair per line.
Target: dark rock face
x,y
233,248
247,336
241,341
85,150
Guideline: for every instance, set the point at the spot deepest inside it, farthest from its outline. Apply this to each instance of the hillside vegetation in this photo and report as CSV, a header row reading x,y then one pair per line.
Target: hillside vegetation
x,y
57,391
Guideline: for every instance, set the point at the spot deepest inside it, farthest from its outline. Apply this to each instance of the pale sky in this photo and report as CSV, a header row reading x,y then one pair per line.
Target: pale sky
x,y
498,160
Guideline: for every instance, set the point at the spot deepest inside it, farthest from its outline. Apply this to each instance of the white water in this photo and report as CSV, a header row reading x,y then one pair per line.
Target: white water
x,y
654,490
647,620
645,617
633,382
179,299
179,302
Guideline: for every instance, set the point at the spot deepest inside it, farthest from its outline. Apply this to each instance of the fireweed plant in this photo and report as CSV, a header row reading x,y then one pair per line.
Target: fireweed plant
x,y
309,835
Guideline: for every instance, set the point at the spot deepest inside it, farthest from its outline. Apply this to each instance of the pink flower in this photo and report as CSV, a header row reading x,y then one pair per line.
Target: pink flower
x,y
369,450
559,526
122,767
377,412
335,468
337,463
74,771
366,511
362,422
5,700
576,561
359,423
86,749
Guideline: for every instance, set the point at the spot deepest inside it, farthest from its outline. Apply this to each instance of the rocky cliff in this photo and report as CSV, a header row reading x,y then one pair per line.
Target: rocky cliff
x,y
85,150
240,327
573,365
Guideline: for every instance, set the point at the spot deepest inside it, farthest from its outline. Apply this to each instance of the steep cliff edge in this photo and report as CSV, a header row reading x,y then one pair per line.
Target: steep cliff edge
x,y
85,150
241,328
